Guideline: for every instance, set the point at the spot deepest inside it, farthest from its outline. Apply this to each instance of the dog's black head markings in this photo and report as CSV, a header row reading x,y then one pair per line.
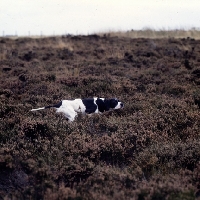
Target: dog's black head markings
x,y
107,104
70,108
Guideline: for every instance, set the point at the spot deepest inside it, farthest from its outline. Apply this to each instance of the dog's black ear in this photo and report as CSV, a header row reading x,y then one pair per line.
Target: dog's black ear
x,y
103,105
100,104
113,103
107,104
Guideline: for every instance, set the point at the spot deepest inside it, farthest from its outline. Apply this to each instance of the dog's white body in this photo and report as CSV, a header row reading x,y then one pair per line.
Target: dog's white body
x,y
70,108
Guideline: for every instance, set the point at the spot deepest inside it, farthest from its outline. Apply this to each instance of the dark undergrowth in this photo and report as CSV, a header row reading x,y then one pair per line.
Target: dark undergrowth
x,y
148,150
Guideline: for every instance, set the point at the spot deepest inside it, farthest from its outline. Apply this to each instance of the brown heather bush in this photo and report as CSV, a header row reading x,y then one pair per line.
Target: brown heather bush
x,y
147,150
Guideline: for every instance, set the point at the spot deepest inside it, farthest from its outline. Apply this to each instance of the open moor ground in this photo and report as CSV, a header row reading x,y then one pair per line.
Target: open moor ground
x,y
148,150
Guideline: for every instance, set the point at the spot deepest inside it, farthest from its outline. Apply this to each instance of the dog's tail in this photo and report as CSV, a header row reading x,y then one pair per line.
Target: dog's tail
x,y
38,109
54,106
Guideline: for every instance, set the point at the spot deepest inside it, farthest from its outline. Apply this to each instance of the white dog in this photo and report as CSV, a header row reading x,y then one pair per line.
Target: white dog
x,y
70,108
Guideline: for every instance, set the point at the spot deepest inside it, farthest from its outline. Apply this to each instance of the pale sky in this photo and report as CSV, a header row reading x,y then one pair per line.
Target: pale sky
x,y
24,17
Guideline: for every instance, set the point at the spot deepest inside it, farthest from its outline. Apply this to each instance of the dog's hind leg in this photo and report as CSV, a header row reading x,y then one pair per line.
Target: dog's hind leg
x,y
68,112
72,116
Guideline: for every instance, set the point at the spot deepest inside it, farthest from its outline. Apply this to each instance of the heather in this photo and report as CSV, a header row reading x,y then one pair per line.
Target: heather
x,y
150,149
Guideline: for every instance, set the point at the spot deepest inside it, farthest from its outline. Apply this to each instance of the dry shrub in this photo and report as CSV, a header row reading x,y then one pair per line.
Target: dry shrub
x,y
61,193
147,150
33,129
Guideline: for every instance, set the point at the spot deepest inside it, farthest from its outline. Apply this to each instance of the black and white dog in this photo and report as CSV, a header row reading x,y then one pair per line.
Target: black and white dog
x,y
70,108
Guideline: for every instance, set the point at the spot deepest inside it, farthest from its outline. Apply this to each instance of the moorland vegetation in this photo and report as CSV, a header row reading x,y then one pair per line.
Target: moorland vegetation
x,y
148,150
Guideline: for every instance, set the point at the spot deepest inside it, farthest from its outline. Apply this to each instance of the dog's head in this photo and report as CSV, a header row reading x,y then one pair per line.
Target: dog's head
x,y
107,104
115,103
